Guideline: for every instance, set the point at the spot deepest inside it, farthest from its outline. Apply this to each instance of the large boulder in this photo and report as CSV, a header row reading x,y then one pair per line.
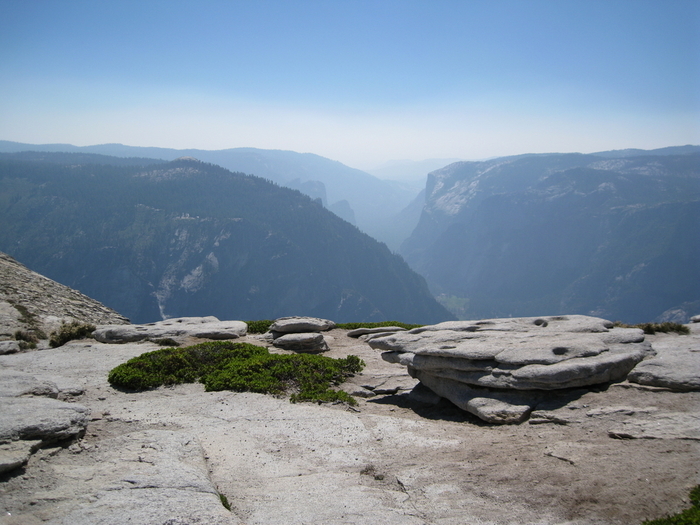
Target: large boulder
x,y
200,327
472,362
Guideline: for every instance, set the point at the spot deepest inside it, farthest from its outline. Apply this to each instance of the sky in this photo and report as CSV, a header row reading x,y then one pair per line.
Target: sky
x,y
361,82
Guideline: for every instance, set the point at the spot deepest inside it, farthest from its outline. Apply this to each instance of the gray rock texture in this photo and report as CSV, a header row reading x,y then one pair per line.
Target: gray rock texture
x,y
9,347
148,477
16,453
357,332
33,303
523,354
310,342
301,324
40,418
15,384
200,327
300,334
676,365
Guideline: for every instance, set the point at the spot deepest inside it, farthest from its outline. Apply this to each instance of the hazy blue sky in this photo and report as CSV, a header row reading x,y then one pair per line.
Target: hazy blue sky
x,y
357,81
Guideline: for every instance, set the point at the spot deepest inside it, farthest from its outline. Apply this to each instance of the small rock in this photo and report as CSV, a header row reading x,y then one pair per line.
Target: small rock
x,y
302,342
301,324
9,347
16,454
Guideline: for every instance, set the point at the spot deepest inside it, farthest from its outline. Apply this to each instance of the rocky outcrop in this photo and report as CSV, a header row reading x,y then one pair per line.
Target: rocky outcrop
x,y
200,327
676,365
32,303
359,332
300,334
497,369
31,417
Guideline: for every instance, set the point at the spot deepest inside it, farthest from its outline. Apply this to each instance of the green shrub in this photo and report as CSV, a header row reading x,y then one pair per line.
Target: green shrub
x,y
259,327
689,516
241,367
165,341
353,326
26,339
69,332
652,328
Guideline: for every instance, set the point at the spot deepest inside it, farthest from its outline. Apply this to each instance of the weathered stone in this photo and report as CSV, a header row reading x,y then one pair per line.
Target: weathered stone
x,y
489,405
302,342
16,453
301,325
676,365
150,477
695,319
200,327
15,384
9,347
357,332
40,418
526,354
667,425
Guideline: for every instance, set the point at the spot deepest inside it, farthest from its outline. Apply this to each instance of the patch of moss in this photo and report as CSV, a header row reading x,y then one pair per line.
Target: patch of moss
x,y
689,516
652,328
241,367
69,332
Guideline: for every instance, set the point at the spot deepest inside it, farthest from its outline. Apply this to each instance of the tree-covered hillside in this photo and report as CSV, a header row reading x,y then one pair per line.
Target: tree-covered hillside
x,y
188,238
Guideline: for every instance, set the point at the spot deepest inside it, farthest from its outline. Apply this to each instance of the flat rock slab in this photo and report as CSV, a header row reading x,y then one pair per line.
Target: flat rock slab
x,y
199,327
357,332
669,425
40,418
676,365
301,324
147,477
16,453
311,342
15,384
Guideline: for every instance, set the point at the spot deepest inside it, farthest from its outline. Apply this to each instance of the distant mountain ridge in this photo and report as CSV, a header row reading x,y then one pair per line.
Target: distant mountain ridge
x,y
187,238
612,235
372,201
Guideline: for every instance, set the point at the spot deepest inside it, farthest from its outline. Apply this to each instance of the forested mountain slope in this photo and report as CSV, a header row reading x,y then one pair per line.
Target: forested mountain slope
x,y
613,235
372,202
188,238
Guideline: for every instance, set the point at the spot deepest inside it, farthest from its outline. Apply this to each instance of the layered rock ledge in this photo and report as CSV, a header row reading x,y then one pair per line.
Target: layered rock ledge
x,y
200,327
499,369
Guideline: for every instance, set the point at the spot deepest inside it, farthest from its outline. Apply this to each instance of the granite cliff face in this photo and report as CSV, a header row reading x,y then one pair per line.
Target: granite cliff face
x,y
30,302
548,234
187,238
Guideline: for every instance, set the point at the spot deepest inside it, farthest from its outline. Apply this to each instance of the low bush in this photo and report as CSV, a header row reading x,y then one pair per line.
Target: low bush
x,y
652,328
241,367
689,516
69,332
27,340
259,327
165,341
